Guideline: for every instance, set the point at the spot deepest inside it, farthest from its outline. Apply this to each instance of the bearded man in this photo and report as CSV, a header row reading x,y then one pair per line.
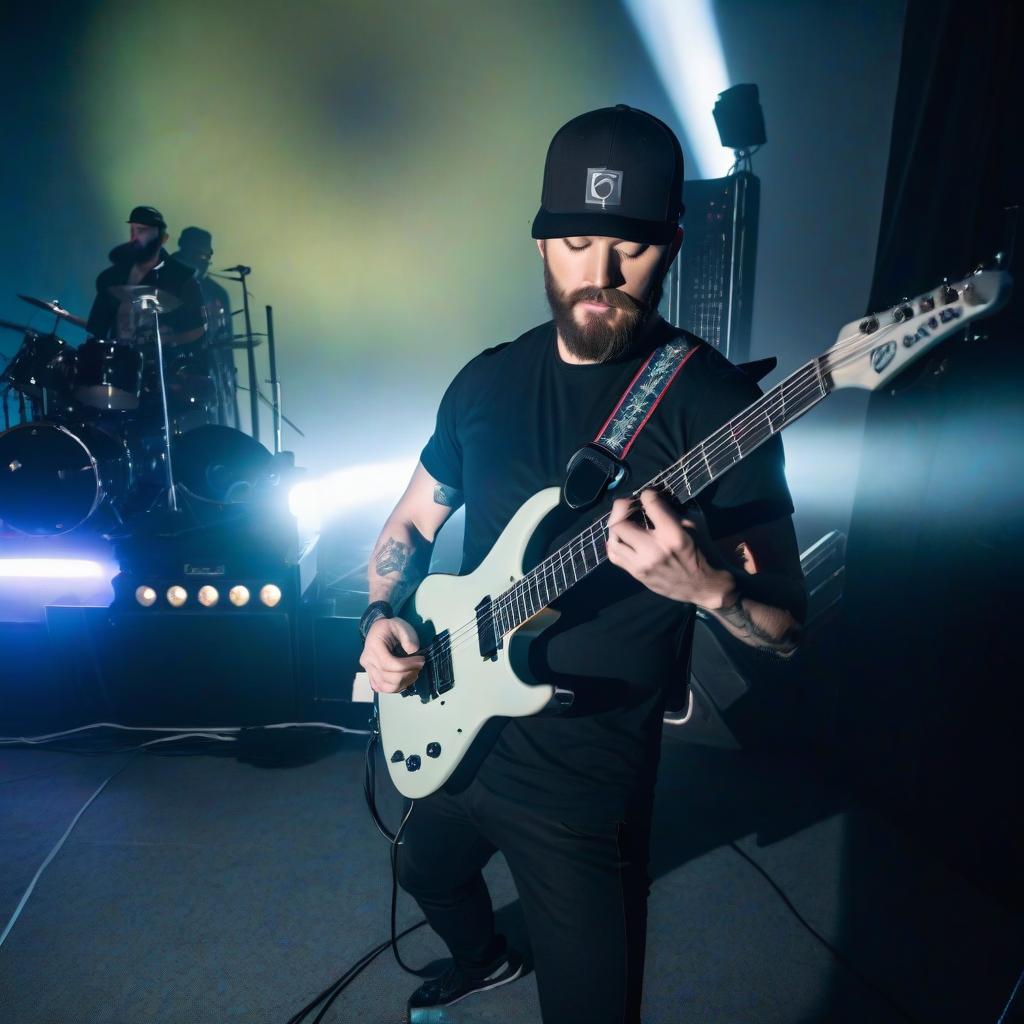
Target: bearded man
x,y
567,799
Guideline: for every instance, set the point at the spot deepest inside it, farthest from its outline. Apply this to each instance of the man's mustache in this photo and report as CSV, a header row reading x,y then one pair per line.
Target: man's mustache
x,y
608,297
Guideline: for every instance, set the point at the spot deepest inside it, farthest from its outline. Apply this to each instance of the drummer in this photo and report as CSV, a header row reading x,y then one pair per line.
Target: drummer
x,y
142,260
195,250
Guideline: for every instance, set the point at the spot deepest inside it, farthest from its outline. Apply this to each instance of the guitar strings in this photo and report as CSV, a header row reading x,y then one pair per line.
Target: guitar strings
x,y
522,592
857,345
852,348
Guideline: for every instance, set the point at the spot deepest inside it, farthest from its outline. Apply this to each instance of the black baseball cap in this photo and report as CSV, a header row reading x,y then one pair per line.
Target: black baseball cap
x,y
196,237
617,171
148,215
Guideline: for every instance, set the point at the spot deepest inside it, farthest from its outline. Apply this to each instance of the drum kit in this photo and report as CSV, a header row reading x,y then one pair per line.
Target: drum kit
x,y
98,424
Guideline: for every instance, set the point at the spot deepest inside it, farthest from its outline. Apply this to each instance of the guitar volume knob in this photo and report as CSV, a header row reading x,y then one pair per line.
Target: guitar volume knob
x,y
433,750
412,762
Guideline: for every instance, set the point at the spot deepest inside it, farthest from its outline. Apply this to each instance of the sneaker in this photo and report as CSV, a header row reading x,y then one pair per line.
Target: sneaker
x,y
456,984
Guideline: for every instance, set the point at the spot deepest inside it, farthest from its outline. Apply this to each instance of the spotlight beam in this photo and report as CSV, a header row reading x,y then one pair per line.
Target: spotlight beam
x,y
681,37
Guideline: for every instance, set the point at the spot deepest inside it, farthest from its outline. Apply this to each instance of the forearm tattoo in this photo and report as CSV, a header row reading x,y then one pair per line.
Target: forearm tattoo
x,y
448,496
741,620
392,556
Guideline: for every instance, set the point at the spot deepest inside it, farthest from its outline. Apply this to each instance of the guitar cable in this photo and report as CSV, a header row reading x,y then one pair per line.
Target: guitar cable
x,y
394,839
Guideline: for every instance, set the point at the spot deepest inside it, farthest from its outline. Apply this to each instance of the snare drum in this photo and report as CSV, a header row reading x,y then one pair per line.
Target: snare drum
x,y
108,375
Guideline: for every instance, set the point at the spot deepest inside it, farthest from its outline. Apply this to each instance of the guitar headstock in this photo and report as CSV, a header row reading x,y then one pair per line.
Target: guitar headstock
x,y
873,350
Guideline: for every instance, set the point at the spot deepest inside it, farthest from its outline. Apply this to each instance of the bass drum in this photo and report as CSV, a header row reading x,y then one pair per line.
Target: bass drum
x,y
54,477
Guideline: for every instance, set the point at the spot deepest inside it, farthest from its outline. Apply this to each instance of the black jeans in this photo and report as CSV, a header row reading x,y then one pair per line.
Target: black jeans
x,y
582,886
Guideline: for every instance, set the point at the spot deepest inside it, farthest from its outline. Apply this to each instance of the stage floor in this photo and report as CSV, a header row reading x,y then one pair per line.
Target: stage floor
x,y
234,882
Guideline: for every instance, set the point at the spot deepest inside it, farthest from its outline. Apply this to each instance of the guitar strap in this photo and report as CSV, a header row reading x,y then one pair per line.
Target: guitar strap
x,y
599,466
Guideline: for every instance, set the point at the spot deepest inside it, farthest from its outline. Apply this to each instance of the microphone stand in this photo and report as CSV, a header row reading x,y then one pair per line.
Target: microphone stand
x,y
275,384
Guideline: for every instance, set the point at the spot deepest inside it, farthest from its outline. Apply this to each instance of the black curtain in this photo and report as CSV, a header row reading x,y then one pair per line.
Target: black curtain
x,y
931,707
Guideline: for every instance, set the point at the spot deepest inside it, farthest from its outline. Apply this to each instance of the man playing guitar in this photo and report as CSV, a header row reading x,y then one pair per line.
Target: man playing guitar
x,y
567,798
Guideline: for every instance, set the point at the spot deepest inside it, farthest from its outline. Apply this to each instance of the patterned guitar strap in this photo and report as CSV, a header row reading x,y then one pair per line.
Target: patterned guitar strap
x,y
599,466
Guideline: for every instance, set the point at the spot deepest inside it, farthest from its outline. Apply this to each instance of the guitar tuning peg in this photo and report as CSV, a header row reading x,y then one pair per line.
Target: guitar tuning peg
x,y
949,293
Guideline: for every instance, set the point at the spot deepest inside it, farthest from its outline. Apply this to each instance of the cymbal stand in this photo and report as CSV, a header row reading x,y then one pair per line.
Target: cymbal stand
x,y
275,384
149,304
250,351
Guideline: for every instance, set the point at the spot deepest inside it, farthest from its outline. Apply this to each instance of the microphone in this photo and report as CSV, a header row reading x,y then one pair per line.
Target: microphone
x,y
240,269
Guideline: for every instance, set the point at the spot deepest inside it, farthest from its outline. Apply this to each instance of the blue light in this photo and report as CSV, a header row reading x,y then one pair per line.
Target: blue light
x,y
52,569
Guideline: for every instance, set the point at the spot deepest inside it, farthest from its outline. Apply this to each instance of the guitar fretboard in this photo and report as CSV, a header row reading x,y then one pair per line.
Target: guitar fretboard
x,y
684,479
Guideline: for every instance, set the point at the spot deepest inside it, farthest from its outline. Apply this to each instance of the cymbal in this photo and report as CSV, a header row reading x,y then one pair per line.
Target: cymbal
x,y
23,328
238,341
134,292
53,307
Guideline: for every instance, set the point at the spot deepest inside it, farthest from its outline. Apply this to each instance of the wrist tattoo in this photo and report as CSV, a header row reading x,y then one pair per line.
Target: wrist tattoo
x,y
392,556
738,617
448,496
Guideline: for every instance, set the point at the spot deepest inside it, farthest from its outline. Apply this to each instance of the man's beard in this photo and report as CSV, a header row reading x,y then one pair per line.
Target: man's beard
x,y
600,339
135,252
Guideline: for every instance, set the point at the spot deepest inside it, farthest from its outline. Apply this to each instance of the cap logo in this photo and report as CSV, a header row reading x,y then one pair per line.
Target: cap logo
x,y
604,187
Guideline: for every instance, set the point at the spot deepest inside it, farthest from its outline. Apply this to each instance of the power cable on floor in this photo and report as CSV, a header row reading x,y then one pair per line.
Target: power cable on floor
x,y
1004,1017
880,992
56,849
200,729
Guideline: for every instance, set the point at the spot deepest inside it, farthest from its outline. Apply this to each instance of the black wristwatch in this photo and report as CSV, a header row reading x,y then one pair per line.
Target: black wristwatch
x,y
375,611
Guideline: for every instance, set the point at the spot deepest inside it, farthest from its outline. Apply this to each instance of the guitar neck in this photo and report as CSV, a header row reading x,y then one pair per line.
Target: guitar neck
x,y
701,466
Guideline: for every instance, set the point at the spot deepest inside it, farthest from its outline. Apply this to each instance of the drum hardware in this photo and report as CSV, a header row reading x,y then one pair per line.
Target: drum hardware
x,y
54,307
156,302
275,384
237,341
266,401
20,328
167,302
254,408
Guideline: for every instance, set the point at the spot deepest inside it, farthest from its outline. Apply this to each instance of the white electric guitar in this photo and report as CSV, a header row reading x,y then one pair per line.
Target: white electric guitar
x,y
475,629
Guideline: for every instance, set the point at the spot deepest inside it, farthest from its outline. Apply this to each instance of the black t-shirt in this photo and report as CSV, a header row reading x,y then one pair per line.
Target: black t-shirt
x,y
506,428
169,275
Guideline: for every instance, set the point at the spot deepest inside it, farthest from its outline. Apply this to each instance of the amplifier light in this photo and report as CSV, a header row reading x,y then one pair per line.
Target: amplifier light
x,y
239,596
270,595
176,596
208,596
146,596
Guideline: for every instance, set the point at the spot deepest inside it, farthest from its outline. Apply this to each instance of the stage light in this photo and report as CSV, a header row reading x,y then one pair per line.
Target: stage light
x,y
208,596
239,596
314,501
739,118
50,568
176,596
146,596
270,595
682,39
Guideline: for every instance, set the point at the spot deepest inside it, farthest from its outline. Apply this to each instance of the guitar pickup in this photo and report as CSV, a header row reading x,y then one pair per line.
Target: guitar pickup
x,y
488,637
437,676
